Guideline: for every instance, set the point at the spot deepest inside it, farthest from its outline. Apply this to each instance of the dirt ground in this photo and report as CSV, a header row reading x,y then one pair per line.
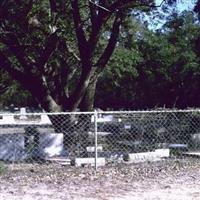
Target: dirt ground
x,y
175,179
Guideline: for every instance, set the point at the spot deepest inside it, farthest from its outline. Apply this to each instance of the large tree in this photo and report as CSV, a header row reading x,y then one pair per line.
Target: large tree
x,y
58,49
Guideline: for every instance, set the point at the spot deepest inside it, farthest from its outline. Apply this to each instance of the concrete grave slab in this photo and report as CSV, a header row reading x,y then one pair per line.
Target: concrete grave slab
x,y
151,156
80,162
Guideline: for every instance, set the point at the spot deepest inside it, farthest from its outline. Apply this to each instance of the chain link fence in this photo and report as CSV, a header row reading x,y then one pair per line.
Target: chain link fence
x,y
99,138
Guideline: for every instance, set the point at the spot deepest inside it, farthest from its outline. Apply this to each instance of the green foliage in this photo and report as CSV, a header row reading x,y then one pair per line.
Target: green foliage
x,y
11,92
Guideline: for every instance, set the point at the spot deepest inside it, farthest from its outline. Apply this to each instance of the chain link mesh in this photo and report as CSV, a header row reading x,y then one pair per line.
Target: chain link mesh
x,y
121,136
134,133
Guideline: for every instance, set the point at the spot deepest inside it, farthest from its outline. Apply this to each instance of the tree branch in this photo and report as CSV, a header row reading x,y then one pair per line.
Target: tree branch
x,y
50,46
80,34
93,12
96,30
29,81
99,6
12,43
99,20
53,6
104,58
28,8
123,4
80,89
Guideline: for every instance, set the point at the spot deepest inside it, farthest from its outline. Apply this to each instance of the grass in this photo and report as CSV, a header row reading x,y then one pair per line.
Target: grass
x,y
2,167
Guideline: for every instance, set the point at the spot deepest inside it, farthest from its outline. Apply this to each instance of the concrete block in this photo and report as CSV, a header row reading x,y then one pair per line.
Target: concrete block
x,y
151,156
80,162
91,149
59,160
7,119
162,153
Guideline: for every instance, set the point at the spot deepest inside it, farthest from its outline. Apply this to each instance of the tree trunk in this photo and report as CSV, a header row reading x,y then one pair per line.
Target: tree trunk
x,y
75,128
87,103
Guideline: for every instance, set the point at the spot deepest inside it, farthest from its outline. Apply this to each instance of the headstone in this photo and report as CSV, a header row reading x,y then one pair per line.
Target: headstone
x,y
23,114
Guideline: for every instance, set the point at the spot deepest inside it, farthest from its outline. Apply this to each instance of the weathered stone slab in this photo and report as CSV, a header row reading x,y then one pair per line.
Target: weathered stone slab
x,y
162,153
7,119
151,156
59,160
80,162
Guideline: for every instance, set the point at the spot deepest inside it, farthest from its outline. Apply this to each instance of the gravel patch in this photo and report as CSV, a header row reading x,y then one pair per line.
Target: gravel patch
x,y
171,179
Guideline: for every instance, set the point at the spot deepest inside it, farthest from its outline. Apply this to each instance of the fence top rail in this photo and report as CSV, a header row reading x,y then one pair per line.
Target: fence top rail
x,y
46,113
102,112
149,111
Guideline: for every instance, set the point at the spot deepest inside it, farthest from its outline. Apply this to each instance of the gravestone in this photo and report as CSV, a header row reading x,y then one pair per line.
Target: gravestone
x,y
23,114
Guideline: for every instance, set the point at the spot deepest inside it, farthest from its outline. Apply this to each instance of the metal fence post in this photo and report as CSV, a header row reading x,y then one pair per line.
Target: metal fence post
x,y
95,138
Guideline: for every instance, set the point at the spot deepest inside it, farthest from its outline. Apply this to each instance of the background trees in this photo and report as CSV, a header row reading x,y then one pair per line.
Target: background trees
x,y
165,67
